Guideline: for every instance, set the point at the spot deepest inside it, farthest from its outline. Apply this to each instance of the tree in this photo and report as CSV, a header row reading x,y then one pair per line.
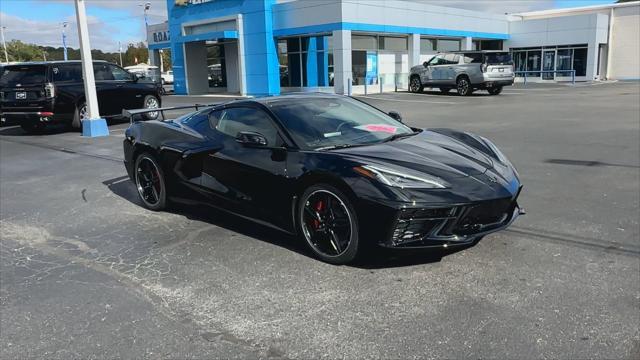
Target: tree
x,y
135,54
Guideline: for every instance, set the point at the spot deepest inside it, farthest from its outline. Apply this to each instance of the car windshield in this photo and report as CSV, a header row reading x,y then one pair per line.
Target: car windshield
x,y
503,58
327,122
24,75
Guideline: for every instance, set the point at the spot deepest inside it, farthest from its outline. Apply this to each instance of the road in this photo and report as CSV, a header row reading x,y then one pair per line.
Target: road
x,y
87,272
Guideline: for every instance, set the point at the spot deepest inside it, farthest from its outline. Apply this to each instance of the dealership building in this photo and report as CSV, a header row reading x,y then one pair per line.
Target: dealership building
x,y
267,47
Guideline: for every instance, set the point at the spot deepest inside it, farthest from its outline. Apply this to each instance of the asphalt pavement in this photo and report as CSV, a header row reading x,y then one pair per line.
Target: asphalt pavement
x,y
87,272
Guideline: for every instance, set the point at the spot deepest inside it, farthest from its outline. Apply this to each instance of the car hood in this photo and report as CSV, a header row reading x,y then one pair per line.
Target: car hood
x,y
440,152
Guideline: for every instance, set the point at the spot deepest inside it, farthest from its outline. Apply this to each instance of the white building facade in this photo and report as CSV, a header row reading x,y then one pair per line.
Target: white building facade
x,y
265,47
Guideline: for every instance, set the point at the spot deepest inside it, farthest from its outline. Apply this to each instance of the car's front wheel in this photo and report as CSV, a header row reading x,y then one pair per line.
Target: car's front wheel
x,y
150,182
81,114
151,102
463,86
495,90
415,85
328,223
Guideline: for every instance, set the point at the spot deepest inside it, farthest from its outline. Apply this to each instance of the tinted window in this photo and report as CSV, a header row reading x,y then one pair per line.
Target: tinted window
x,y
452,59
102,72
235,120
327,121
119,73
67,73
473,58
25,75
438,60
498,58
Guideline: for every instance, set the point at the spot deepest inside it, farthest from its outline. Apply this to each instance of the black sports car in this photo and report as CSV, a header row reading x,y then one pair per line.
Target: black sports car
x,y
334,170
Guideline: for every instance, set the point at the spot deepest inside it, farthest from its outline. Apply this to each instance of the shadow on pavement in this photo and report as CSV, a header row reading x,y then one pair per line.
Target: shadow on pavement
x,y
373,258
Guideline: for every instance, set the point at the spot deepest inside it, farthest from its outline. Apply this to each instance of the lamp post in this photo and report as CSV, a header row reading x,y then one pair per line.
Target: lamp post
x,y
64,39
92,125
4,44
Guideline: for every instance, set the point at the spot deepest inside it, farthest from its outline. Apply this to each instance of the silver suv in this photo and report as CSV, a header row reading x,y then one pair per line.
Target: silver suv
x,y
465,71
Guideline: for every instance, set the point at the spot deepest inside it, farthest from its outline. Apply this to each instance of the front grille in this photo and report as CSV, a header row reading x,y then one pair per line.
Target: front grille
x,y
480,217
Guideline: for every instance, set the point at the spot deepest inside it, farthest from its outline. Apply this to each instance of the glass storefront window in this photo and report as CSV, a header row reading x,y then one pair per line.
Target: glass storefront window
x,y
448,45
519,61
305,61
534,62
563,61
427,46
216,69
364,42
393,43
580,61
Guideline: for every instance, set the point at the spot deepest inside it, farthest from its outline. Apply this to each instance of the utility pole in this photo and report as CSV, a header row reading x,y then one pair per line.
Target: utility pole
x,y
93,125
4,44
64,40
120,51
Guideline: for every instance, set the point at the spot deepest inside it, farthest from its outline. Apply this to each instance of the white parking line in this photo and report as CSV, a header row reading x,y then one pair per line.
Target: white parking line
x,y
413,101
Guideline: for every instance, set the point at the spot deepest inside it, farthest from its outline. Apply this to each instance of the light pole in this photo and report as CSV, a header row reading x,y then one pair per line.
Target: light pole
x,y
4,44
64,39
120,51
92,125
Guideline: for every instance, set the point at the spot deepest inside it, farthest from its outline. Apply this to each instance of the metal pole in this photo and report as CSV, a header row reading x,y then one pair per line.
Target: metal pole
x,y
349,87
4,44
161,52
365,85
64,40
380,80
120,52
99,128
573,77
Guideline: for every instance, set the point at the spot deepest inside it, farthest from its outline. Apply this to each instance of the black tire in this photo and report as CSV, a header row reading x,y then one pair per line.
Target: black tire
x,y
78,116
31,128
336,241
415,85
445,90
495,90
463,85
150,182
151,102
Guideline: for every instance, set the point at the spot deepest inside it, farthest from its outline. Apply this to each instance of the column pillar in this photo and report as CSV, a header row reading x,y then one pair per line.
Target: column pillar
x,y
467,43
342,61
414,50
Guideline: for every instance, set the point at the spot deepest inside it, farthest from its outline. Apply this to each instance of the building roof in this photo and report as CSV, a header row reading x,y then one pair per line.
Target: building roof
x,y
590,8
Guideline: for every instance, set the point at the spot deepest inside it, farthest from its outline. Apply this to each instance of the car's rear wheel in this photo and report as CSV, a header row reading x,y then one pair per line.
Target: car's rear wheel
x,y
415,85
150,182
81,114
328,223
151,102
495,90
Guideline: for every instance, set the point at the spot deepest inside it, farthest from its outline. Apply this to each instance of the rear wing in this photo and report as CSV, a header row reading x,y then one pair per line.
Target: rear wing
x,y
135,115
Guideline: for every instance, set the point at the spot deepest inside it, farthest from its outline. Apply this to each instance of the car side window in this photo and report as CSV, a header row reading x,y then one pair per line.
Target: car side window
x,y
66,73
473,58
234,120
102,72
451,59
120,74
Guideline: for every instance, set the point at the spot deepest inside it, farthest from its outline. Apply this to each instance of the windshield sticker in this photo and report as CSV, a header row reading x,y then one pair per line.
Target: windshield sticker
x,y
332,134
378,128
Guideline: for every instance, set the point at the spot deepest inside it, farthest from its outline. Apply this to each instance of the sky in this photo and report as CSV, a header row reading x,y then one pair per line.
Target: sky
x,y
113,21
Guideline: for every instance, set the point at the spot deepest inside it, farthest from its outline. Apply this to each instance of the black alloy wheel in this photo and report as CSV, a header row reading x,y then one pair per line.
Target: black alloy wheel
x,y
463,86
415,86
150,182
328,224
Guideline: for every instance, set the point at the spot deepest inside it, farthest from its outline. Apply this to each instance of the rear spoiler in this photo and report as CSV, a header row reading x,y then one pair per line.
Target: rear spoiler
x,y
136,114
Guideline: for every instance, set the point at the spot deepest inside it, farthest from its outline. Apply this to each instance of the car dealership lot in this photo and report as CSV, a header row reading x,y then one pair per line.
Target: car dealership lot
x,y
86,271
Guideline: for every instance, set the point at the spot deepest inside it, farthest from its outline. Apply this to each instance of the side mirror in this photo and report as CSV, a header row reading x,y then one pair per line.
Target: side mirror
x,y
253,139
139,76
425,64
396,115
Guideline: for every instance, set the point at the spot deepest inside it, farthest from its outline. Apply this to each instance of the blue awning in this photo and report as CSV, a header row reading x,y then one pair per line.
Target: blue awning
x,y
214,35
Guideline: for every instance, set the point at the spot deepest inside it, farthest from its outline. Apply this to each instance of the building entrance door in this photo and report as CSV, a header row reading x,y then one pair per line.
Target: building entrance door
x,y
549,64
216,68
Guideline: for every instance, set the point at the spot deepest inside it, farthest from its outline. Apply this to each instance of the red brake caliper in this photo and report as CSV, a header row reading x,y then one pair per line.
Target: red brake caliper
x,y
319,207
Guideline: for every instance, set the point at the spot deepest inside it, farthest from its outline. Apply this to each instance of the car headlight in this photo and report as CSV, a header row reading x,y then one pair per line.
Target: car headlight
x,y
399,179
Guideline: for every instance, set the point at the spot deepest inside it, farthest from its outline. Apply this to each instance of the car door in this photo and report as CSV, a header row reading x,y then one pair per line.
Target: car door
x,y
106,89
436,68
428,74
248,179
129,94
448,73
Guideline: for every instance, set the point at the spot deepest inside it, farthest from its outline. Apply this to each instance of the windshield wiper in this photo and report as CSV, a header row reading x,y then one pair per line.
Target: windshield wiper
x,y
399,136
341,146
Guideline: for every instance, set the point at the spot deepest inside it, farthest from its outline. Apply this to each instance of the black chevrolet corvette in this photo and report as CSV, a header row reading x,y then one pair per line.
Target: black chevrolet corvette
x,y
338,172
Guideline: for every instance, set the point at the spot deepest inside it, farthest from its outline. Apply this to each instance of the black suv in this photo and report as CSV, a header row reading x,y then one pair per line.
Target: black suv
x,y
39,93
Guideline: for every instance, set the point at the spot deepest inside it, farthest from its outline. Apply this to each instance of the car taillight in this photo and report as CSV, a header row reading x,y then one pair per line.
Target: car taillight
x,y
49,90
483,68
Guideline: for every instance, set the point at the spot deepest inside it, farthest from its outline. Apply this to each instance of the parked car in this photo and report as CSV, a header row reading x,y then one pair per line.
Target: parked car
x,y
337,172
167,77
39,93
464,71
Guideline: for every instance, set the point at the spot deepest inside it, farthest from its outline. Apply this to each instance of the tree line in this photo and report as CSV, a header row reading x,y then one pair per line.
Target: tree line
x,y
19,51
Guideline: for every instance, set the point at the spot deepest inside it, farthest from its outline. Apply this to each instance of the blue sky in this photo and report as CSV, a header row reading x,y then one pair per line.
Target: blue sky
x,y
38,21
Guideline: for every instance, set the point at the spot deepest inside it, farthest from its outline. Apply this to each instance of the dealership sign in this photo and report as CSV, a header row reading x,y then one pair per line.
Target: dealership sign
x,y
190,2
158,33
